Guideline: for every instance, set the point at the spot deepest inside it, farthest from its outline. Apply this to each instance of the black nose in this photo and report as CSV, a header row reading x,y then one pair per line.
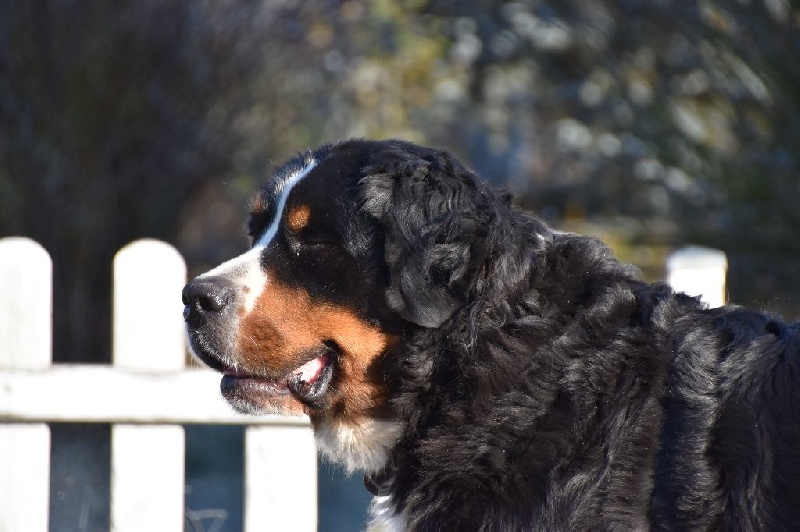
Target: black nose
x,y
204,298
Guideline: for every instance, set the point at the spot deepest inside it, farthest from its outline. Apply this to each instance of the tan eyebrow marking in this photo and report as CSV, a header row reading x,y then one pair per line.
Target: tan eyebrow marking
x,y
298,217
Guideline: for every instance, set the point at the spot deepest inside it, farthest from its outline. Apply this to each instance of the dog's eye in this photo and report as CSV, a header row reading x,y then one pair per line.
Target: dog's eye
x,y
305,230
317,237
313,238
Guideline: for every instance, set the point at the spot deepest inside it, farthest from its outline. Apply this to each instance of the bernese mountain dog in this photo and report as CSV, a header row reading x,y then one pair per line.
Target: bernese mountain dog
x,y
487,372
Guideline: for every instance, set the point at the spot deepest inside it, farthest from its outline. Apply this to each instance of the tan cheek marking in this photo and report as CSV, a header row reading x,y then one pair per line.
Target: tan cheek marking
x,y
361,392
274,334
285,325
298,217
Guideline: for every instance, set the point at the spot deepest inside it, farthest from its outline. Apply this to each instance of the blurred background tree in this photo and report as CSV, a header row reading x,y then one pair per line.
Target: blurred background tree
x,y
649,123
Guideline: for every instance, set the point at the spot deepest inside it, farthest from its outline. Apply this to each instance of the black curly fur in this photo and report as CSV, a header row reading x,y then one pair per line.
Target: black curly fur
x,y
540,384
545,386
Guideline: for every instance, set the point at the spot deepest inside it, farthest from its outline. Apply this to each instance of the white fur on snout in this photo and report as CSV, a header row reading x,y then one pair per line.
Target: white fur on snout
x,y
246,275
245,271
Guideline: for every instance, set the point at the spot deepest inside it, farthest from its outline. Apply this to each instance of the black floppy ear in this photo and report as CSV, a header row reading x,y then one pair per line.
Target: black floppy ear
x,y
434,215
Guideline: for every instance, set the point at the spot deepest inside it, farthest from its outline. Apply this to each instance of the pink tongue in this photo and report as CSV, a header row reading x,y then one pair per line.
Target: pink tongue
x,y
311,370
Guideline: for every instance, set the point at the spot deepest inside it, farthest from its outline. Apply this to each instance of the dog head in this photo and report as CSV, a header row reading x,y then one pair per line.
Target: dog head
x,y
354,247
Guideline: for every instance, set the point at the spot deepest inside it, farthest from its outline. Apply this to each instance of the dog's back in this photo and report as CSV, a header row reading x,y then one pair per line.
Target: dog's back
x,y
601,402
729,455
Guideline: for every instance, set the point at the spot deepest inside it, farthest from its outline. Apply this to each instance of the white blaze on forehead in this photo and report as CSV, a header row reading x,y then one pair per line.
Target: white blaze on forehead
x,y
281,195
245,270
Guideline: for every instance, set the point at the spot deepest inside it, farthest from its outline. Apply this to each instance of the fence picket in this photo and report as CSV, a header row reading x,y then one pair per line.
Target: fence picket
x,y
26,278
148,322
699,271
278,490
147,462
25,343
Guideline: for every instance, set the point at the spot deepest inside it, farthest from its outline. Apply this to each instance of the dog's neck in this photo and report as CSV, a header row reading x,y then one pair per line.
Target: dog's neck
x,y
387,512
380,482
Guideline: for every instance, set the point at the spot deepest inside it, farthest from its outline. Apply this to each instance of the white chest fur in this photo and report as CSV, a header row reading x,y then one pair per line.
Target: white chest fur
x,y
360,446
383,516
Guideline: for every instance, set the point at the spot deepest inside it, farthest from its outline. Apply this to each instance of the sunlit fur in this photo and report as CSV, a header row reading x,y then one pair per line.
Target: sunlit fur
x,y
384,517
548,387
529,380
364,446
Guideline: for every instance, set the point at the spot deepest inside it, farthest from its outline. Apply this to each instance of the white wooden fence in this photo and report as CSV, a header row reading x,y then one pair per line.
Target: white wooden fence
x,y
147,395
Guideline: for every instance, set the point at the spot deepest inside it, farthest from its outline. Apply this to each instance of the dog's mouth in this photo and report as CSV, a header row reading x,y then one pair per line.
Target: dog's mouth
x,y
308,383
